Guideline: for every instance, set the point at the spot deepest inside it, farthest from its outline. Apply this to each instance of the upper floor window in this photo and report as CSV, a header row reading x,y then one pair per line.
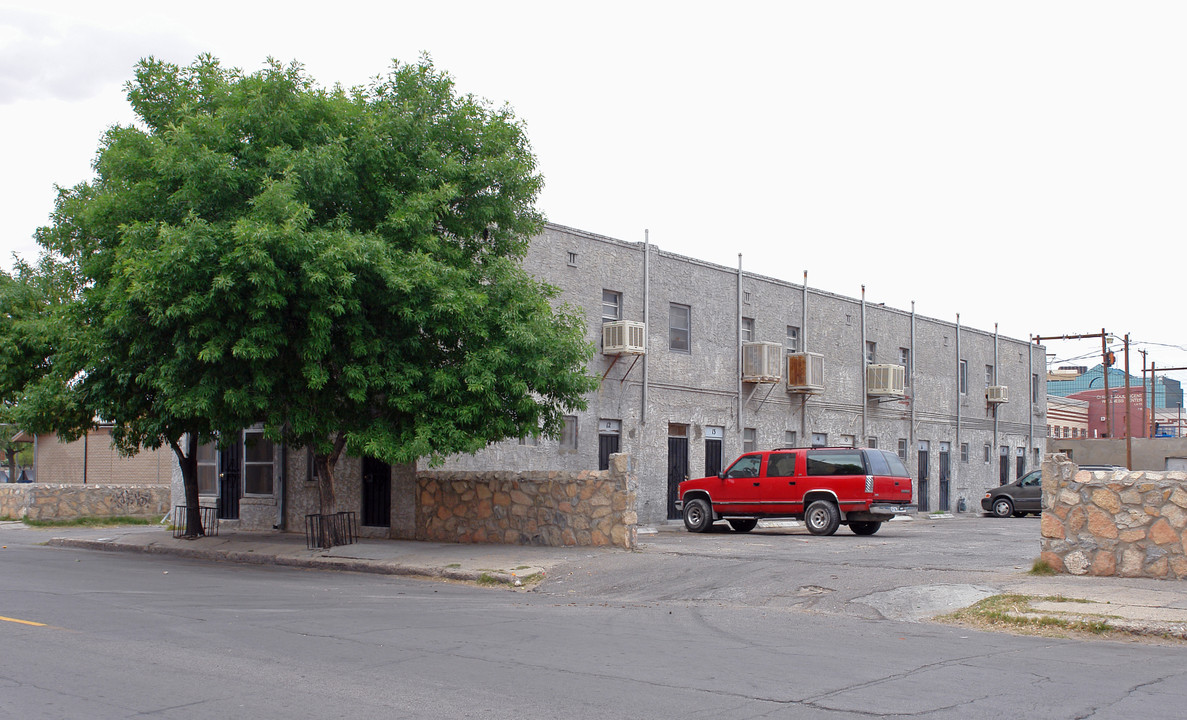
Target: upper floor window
x,y
1034,387
871,351
679,328
747,329
904,359
573,259
793,338
962,377
569,433
749,440
611,305
990,374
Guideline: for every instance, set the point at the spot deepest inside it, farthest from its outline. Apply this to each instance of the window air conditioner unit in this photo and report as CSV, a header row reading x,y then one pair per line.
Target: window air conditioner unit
x,y
624,337
886,380
997,394
805,373
761,362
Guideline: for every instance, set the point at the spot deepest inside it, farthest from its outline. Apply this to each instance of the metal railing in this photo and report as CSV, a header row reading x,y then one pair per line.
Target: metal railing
x,y
326,531
181,518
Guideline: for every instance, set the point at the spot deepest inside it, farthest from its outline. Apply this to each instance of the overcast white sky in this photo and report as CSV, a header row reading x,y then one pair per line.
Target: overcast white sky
x,y
1020,163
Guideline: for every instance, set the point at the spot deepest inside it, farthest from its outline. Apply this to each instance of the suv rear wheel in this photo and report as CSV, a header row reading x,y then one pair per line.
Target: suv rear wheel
x,y
822,518
698,516
864,527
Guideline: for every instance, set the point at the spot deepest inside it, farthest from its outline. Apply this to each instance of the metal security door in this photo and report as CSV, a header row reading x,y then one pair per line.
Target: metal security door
x,y
377,493
924,455
945,470
712,457
230,479
607,446
677,468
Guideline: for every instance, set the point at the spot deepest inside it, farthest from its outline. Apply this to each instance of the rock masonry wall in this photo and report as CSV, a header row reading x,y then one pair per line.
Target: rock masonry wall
x,y
1124,523
554,508
51,501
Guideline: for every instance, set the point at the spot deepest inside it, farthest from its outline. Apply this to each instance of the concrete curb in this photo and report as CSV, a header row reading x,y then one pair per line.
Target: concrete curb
x,y
374,567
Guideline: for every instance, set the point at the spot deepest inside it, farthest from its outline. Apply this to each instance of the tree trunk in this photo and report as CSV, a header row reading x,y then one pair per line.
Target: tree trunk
x,y
10,461
189,478
327,502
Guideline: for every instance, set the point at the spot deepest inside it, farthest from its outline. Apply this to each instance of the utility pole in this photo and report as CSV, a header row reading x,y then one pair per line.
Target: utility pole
x,y
1128,434
1104,361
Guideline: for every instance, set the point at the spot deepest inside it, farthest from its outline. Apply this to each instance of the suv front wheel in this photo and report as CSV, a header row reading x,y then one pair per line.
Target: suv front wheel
x,y
698,516
822,518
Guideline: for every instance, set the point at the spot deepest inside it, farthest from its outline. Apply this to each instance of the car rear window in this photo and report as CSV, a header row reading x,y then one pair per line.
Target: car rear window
x,y
781,465
878,464
835,462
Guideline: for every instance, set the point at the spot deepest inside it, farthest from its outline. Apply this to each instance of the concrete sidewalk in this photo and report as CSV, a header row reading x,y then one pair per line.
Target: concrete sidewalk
x,y
1138,606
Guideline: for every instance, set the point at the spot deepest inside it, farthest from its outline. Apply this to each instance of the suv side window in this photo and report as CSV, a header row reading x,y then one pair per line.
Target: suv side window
x,y
746,466
835,462
897,469
781,465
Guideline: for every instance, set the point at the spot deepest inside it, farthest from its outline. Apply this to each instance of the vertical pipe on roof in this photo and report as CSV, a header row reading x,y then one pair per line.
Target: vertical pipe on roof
x,y
865,375
738,331
804,348
646,319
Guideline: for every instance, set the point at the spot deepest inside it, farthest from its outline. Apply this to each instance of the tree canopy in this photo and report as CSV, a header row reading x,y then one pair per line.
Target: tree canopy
x,y
340,265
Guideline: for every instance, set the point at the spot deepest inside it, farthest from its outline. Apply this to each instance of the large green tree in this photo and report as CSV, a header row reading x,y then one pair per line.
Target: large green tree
x,y
343,266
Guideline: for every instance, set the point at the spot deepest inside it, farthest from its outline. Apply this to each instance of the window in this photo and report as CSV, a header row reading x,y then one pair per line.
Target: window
x,y
745,467
793,338
611,305
819,439
964,452
871,442
208,469
1034,387
871,351
904,359
747,329
962,377
833,462
989,375
988,452
789,439
569,433
847,441
902,449
257,463
781,465
679,328
748,440
572,259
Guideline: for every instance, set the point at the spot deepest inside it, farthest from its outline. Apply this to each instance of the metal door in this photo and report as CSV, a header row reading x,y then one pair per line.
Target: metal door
x,y
230,479
677,471
712,457
1020,465
945,470
607,446
1003,467
377,493
922,494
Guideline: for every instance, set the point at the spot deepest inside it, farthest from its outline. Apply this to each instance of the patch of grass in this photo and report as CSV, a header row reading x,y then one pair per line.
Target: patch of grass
x,y
1015,613
487,580
523,567
91,522
454,565
1042,567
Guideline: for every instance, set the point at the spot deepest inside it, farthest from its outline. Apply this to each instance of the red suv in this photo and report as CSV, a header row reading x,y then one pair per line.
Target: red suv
x,y
823,487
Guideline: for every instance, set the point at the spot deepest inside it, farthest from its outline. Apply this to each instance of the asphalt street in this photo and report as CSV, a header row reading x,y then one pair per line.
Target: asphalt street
x,y
122,635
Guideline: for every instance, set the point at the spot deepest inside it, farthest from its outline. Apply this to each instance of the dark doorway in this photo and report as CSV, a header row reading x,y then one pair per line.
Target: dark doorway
x,y
607,446
377,493
1003,466
1020,468
677,465
924,468
230,479
712,456
945,472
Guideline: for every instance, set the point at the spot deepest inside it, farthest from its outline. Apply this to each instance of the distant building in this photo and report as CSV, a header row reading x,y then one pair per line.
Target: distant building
x,y
1067,418
1069,381
92,460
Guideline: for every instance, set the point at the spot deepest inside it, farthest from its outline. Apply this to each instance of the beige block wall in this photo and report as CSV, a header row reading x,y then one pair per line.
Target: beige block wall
x,y
63,462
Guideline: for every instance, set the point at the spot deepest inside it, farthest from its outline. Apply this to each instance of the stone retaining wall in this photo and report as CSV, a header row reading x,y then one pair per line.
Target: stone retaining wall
x,y
52,501
1126,523
554,508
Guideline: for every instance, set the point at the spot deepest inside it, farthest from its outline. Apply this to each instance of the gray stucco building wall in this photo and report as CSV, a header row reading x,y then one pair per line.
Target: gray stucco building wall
x,y
671,403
